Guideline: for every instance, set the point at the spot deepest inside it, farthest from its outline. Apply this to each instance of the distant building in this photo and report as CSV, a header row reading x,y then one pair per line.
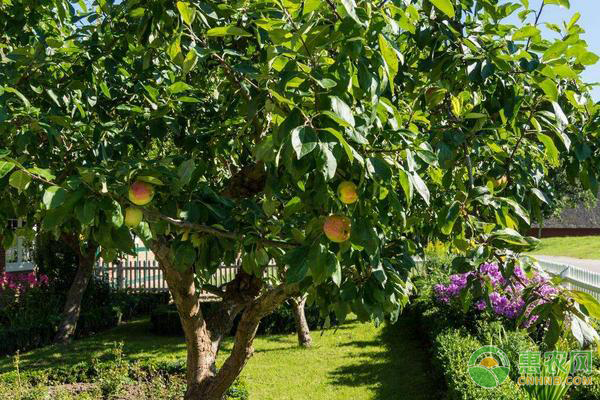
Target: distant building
x,y
579,221
18,258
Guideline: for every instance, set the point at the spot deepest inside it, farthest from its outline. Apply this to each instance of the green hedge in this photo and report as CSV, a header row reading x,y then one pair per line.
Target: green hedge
x,y
452,350
455,336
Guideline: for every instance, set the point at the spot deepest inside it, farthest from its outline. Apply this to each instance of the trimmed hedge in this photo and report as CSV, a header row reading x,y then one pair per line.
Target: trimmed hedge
x,y
452,350
455,336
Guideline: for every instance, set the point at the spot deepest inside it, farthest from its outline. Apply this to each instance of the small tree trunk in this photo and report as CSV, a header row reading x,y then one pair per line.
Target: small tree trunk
x,y
304,339
72,308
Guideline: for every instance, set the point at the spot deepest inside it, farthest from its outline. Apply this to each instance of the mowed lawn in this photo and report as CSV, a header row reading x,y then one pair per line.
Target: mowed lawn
x,y
357,361
585,247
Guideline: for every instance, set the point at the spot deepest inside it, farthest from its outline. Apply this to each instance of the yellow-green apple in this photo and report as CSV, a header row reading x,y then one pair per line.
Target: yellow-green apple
x,y
503,180
133,216
347,192
141,193
337,228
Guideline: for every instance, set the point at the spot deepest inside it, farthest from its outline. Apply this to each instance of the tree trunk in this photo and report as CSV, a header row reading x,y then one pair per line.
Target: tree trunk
x,y
304,339
72,308
203,333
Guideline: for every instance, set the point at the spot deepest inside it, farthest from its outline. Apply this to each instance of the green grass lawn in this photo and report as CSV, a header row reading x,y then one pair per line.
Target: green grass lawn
x,y
358,361
586,247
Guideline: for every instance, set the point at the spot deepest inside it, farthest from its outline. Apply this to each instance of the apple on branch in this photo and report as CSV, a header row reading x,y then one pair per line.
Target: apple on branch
x,y
347,192
141,193
133,216
337,228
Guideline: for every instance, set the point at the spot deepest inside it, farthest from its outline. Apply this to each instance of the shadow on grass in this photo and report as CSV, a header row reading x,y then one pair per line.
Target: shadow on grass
x,y
401,367
138,343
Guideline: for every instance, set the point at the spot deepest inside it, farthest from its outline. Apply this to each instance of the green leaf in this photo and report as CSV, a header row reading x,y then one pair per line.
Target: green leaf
x,y
563,3
347,148
187,12
185,171
550,88
185,256
116,216
19,180
311,5
449,218
342,110
179,87
350,7
190,61
304,140
298,264
230,30
328,161
526,32
174,51
420,186
540,195
407,185
551,150
54,197
86,212
104,88
391,59
379,170
587,300
5,168
19,95
444,6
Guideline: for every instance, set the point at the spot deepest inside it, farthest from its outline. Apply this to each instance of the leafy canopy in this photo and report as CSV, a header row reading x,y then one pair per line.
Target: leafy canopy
x,y
246,115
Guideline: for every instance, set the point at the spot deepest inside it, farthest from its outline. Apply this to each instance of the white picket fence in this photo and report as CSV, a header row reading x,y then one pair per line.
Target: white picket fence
x,y
142,274
574,277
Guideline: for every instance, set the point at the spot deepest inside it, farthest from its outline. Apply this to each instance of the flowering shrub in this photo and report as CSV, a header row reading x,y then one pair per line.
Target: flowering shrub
x,y
508,295
14,293
19,283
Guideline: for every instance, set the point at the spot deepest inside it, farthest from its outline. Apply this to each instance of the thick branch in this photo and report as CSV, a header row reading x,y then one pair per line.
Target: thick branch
x,y
242,349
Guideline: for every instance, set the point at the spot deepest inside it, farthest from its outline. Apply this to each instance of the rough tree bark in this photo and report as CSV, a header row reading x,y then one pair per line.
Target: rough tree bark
x,y
72,307
203,333
304,339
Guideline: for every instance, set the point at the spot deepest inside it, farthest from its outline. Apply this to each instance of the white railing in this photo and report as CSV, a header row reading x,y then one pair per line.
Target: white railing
x,y
574,277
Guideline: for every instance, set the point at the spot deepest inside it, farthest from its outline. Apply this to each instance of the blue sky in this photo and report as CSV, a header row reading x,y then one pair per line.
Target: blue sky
x,y
589,21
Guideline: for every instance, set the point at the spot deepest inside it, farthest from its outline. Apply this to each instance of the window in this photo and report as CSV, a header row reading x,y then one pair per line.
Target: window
x,y
20,256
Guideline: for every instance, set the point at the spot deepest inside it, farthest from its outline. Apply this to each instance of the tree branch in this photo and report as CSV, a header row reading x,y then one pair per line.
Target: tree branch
x,y
242,348
537,20
219,232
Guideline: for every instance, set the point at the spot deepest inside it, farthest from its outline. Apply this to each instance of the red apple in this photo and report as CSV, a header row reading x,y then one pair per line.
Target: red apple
x,y
141,193
337,228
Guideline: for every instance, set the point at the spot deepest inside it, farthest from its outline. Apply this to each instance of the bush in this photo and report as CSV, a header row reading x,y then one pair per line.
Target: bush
x,y
452,350
33,321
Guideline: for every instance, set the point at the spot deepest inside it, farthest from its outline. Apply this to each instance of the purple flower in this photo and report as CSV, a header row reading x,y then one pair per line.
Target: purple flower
x,y
480,305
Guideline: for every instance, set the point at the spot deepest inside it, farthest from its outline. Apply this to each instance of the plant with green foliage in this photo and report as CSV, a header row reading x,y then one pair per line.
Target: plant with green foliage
x,y
230,126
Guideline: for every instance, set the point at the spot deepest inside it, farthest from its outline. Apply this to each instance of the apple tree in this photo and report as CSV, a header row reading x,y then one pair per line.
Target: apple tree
x,y
331,138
